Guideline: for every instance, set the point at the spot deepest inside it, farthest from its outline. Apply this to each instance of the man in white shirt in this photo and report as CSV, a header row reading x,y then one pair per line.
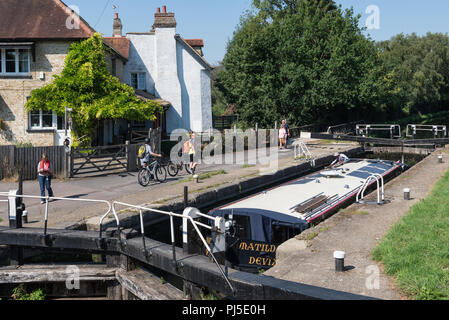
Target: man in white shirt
x,y
341,159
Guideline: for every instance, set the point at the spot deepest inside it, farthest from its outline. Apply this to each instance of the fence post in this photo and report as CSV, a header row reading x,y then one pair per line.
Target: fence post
x,y
16,208
127,155
257,136
71,162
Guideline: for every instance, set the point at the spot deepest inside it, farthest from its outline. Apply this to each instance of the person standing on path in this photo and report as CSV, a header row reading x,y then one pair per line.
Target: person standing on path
x,y
282,136
45,171
287,132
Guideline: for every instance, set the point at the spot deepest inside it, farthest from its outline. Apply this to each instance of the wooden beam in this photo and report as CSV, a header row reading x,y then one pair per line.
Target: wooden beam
x,y
55,273
147,286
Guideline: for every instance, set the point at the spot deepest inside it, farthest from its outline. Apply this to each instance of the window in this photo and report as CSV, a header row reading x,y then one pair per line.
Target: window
x,y
138,81
45,120
15,61
241,227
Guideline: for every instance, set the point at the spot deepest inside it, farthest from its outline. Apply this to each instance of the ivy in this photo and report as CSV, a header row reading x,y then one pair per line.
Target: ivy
x,y
93,94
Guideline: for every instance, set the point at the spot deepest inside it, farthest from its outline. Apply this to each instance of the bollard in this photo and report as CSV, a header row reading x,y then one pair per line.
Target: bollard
x,y
339,257
25,217
406,194
195,177
440,159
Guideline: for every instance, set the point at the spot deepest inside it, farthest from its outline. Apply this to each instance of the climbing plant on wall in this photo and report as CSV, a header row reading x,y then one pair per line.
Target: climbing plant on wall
x,y
93,94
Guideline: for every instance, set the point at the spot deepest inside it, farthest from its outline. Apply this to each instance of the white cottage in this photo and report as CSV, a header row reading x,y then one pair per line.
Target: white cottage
x,y
163,64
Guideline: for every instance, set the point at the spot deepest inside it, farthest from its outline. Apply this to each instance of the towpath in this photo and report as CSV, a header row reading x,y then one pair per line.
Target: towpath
x,y
125,188
357,230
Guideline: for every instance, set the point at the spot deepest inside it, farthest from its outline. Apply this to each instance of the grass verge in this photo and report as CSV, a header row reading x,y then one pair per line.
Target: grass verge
x,y
415,251
206,175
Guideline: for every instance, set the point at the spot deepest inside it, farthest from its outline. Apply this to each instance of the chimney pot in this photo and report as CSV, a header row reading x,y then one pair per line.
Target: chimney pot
x,y
164,9
158,10
116,15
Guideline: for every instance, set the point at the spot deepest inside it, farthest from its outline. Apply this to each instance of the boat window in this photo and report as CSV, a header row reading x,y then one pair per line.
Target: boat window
x,y
242,228
282,233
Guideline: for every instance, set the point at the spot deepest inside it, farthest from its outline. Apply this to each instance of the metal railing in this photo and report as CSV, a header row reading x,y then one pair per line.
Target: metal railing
x,y
380,185
194,223
5,194
112,209
300,148
412,130
365,129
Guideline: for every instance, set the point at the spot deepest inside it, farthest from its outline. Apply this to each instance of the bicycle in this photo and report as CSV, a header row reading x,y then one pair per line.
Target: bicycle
x,y
174,168
151,171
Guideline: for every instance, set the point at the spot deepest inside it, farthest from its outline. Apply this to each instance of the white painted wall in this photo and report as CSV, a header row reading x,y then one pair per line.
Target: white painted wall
x,y
195,87
142,58
175,74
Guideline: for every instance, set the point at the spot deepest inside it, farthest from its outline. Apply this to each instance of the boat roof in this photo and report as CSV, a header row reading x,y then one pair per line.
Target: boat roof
x,y
329,186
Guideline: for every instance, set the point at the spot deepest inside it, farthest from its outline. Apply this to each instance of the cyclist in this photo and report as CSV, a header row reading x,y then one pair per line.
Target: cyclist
x,y
145,155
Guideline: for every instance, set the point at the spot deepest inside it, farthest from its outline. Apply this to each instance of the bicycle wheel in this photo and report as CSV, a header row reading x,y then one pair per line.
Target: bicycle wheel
x,y
144,177
161,174
172,169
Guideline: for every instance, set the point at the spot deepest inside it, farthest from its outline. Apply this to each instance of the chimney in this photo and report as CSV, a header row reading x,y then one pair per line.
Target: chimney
x,y
164,19
117,27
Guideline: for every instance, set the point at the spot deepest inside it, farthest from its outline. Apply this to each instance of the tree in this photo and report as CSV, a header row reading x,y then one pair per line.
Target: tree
x,y
306,60
86,86
218,100
418,68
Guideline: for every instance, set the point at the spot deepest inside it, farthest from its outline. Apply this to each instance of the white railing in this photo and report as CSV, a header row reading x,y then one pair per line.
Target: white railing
x,y
194,223
380,187
301,149
112,209
412,129
365,129
109,206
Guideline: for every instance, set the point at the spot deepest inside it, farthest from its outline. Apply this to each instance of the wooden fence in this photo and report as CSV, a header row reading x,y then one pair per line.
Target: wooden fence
x,y
13,158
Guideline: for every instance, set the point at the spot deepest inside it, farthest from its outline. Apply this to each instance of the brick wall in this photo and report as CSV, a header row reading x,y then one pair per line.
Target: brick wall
x,y
50,58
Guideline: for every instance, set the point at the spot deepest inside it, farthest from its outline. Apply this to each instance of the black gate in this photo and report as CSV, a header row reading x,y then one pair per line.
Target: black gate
x,y
102,160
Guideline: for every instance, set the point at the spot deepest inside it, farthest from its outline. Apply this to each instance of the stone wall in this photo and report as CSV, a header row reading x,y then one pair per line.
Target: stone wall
x,y
50,58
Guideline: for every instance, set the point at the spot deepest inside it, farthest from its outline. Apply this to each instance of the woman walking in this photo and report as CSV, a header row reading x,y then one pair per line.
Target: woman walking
x,y
44,170
189,148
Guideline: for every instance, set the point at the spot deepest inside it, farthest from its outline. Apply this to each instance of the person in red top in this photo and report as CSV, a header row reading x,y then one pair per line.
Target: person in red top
x,y
44,170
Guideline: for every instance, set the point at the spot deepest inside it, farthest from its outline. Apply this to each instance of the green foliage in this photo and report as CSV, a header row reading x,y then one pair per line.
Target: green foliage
x,y
415,249
306,60
19,293
86,86
219,104
418,70
22,144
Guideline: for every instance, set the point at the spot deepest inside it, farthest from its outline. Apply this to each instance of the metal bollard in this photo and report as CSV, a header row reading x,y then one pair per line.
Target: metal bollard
x,y
25,217
339,257
406,194
195,177
440,159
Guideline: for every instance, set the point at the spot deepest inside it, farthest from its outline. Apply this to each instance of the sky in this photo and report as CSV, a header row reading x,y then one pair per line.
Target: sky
x,y
216,20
